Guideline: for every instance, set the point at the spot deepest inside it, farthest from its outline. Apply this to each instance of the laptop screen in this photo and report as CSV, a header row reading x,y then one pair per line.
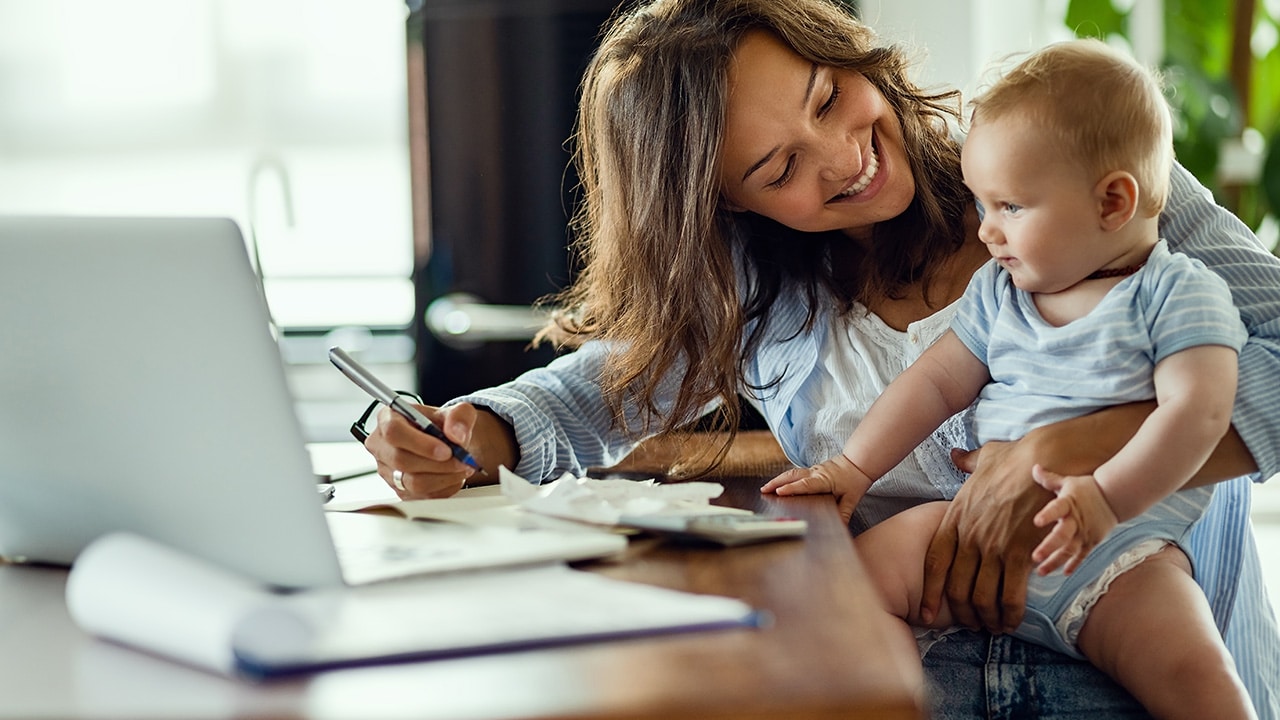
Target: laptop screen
x,y
141,390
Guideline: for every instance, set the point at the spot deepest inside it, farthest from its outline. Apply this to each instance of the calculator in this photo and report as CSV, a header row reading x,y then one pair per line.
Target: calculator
x,y
722,528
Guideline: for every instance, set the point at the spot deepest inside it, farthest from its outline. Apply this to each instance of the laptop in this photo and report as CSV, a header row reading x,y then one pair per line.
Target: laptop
x,y
141,390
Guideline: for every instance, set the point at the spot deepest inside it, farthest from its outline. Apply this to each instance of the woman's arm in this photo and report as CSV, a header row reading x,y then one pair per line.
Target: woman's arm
x,y
980,557
1195,390
547,421
560,419
1193,224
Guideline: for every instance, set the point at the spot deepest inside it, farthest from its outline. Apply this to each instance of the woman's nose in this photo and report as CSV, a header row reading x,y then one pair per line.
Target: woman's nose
x,y
841,159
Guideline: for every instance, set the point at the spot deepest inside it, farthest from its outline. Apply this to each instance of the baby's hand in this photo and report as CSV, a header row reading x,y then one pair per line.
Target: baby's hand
x,y
837,476
1082,516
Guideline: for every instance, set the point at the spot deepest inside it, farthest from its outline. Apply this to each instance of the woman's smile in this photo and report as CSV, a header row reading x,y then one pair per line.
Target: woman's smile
x,y
862,182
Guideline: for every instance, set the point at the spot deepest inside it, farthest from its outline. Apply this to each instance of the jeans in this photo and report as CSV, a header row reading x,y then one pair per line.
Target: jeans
x,y
975,674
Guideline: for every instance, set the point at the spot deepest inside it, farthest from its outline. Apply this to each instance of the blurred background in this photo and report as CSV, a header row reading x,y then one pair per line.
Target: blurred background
x,y
399,169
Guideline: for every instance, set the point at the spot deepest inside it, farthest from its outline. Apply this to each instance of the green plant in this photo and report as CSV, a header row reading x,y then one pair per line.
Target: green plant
x,y
1222,70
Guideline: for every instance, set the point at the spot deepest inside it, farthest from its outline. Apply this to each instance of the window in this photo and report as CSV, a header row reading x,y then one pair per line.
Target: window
x,y
288,116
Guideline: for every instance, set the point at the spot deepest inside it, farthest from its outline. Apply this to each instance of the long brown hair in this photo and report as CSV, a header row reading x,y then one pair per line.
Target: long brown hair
x,y
661,255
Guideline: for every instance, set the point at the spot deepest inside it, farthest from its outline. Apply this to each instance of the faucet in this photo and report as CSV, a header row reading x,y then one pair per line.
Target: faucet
x,y
267,162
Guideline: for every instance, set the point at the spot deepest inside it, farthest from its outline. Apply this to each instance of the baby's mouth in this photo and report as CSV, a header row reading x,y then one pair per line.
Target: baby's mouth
x,y
868,174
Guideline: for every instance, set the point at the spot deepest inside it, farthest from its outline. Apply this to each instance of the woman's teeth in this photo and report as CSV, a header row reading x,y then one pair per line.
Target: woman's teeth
x,y
869,174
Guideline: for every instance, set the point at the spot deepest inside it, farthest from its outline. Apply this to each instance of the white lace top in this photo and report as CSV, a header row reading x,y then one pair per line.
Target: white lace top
x,y
859,358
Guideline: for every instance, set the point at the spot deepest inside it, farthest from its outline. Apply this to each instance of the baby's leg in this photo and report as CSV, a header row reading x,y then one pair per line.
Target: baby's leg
x,y
893,553
1153,632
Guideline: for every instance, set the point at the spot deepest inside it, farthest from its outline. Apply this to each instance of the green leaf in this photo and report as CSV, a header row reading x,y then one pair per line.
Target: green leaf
x,y
1199,123
1094,18
1198,34
1265,92
1270,181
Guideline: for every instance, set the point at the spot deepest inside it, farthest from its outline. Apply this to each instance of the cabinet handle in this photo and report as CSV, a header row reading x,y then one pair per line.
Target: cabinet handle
x,y
463,321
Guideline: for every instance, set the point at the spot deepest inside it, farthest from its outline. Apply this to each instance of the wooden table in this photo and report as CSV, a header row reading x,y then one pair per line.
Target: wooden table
x,y
828,653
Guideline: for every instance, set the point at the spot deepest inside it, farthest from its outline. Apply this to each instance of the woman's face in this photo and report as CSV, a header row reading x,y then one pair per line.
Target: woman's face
x,y
812,147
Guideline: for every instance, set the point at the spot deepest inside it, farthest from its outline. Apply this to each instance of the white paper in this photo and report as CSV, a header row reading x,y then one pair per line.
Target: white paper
x,y
566,503
603,502
141,593
483,506
471,611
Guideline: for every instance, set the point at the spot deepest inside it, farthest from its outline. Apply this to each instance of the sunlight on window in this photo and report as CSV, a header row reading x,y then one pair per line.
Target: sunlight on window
x,y
132,53
171,107
329,66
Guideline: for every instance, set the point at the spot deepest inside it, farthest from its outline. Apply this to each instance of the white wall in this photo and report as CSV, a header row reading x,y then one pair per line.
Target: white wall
x,y
956,40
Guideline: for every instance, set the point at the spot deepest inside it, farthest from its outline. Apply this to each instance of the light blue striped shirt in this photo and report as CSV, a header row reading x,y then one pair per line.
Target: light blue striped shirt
x,y
1042,373
561,423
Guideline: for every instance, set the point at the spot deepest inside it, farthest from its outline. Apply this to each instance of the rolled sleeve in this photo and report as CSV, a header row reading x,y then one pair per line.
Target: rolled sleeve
x,y
559,416
1194,224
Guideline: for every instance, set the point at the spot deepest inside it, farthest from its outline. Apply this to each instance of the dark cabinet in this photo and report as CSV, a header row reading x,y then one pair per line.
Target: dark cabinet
x,y
493,94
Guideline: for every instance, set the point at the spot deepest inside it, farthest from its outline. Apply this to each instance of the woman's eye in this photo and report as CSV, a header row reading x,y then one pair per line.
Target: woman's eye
x,y
831,101
786,173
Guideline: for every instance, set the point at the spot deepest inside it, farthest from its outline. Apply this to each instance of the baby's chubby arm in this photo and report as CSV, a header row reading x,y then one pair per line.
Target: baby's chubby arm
x,y
1195,394
943,381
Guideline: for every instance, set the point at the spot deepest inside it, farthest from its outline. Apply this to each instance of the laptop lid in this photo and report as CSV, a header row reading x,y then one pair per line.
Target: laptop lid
x,y
141,390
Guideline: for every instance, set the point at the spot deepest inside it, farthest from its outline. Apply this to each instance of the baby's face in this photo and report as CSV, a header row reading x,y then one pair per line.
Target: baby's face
x,y
1040,208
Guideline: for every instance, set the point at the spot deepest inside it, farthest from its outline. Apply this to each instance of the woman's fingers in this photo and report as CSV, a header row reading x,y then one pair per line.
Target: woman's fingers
x,y
431,485
414,464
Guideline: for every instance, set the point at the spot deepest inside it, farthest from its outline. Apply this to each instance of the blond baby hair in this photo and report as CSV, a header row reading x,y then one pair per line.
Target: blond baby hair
x,y
1101,106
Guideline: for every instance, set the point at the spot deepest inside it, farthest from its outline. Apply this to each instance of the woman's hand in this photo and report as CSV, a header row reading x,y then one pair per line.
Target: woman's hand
x,y
981,553
837,476
417,465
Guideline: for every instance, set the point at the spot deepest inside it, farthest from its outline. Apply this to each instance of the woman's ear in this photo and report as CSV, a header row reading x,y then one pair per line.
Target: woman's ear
x,y
1117,196
731,206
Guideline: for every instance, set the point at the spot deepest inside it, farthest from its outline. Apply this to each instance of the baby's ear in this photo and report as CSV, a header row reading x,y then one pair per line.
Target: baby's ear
x,y
1117,196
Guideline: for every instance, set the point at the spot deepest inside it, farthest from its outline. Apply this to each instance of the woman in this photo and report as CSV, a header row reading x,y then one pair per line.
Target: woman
x,y
780,215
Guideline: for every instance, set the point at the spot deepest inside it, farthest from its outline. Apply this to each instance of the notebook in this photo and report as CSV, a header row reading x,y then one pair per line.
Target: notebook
x,y
141,390
149,596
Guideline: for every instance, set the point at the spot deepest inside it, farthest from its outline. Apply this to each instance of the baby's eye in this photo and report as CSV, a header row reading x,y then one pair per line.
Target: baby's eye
x,y
982,211
1012,209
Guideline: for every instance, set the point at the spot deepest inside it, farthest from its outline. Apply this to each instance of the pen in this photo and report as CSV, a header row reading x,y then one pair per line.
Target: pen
x,y
385,395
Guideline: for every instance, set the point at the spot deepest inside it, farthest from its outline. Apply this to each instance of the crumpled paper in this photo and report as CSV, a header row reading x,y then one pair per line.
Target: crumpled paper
x,y
604,502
